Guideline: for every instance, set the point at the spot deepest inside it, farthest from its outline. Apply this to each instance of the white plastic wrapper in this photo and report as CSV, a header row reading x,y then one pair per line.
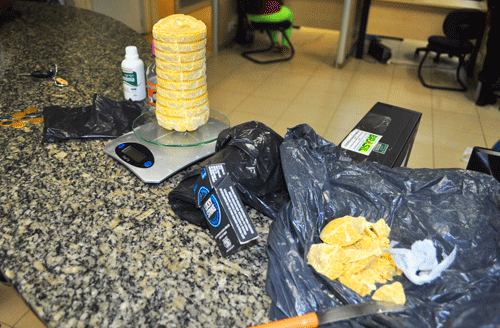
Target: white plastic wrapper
x,y
420,264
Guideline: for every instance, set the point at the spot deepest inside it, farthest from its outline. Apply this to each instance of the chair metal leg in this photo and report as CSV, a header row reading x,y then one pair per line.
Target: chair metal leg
x,y
247,54
460,64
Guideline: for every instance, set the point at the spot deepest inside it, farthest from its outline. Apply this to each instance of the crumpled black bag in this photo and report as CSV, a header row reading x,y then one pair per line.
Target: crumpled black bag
x,y
105,118
452,207
251,154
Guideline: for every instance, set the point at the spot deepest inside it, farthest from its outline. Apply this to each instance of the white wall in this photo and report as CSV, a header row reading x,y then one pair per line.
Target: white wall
x,y
140,15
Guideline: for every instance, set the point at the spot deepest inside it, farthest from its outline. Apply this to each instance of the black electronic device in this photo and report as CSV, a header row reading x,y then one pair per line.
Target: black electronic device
x,y
485,160
379,51
384,135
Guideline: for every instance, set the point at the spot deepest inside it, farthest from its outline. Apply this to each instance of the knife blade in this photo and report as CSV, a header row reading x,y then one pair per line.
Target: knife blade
x,y
314,319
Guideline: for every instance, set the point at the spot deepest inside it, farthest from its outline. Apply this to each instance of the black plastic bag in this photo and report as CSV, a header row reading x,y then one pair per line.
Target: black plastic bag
x,y
251,154
105,118
452,207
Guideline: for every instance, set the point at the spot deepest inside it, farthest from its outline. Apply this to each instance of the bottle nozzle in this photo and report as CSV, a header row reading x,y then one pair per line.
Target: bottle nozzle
x,y
131,52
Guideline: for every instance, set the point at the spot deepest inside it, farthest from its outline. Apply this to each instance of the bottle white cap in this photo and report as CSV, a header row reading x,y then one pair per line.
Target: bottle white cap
x,y
131,52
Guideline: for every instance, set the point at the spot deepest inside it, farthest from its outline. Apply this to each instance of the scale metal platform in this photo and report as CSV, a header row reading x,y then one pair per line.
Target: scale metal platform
x,y
154,153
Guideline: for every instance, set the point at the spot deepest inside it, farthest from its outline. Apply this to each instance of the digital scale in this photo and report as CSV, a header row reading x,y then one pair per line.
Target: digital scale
x,y
154,153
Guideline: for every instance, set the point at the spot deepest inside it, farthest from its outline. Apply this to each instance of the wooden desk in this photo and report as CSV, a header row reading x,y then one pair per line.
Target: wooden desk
x,y
408,19
414,19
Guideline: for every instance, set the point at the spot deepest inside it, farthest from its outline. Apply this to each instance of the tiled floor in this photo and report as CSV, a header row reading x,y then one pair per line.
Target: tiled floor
x,y
14,312
308,89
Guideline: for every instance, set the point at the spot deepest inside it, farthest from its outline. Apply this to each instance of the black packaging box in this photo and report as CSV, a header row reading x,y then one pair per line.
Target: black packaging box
x,y
221,204
379,51
384,135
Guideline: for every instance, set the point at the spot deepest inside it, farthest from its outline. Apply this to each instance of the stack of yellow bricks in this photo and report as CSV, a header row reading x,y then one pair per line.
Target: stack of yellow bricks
x,y
182,99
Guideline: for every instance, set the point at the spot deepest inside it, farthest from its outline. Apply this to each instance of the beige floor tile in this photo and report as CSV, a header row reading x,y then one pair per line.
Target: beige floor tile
x,y
426,114
236,84
407,91
489,112
326,100
224,101
252,73
299,65
335,135
409,73
29,320
421,156
236,118
448,120
369,87
331,80
347,120
448,158
353,104
288,79
371,67
260,106
425,132
277,90
404,93
299,113
281,126
457,140
491,140
455,102
12,307
491,127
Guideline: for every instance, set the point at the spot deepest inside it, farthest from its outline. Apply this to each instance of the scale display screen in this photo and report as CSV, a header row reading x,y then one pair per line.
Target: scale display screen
x,y
134,154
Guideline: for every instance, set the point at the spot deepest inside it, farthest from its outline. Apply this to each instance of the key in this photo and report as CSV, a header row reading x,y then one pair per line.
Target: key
x,y
40,74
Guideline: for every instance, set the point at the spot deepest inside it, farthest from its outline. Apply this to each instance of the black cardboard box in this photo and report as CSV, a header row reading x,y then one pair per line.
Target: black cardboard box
x,y
221,205
485,160
384,135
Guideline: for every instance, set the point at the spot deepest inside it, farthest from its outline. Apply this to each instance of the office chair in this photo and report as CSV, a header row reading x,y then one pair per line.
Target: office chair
x,y
268,27
460,27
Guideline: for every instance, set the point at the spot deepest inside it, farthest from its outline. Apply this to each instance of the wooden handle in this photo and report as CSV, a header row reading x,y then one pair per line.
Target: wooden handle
x,y
309,320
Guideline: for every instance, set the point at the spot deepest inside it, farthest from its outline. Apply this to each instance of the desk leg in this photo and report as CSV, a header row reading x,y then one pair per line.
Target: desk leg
x,y
360,45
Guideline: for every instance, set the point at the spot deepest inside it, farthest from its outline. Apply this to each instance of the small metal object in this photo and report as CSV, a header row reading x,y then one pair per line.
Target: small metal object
x,y
61,82
18,124
30,110
41,73
7,122
36,120
18,115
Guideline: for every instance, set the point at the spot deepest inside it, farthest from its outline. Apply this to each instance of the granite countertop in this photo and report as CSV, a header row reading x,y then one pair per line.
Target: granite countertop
x,y
82,239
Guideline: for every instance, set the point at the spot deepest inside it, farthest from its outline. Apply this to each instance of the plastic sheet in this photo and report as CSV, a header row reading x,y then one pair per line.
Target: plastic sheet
x,y
251,154
105,118
451,207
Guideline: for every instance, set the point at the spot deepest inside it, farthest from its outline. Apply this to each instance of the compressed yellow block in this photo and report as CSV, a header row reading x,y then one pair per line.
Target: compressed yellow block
x,y
180,57
182,113
181,75
181,86
181,95
181,104
180,46
182,124
179,28
180,67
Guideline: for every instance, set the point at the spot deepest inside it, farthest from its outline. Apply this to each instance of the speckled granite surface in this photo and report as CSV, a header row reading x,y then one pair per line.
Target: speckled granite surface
x,y
83,240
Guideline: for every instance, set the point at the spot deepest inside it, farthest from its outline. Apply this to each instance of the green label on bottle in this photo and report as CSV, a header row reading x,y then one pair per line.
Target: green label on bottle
x,y
130,78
